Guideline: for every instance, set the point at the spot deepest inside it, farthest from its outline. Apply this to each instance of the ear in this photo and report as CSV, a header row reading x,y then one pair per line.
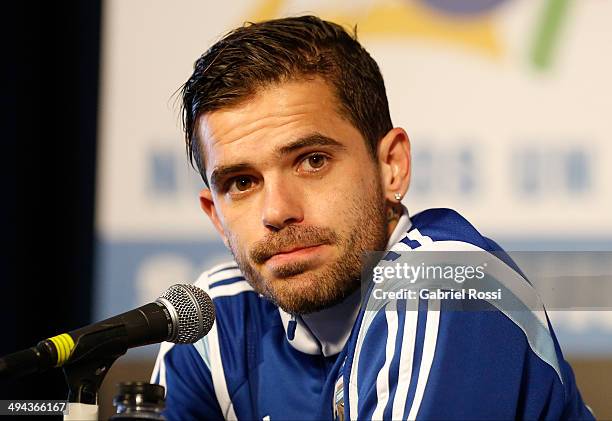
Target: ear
x,y
394,162
208,206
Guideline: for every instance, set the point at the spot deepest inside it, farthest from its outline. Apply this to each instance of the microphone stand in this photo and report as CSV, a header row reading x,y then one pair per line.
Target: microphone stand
x,y
84,380
84,373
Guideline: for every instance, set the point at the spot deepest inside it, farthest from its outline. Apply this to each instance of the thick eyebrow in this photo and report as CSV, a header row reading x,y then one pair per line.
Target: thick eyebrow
x,y
221,172
314,139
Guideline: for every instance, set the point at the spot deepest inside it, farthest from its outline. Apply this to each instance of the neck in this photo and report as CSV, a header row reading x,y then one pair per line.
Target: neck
x,y
393,212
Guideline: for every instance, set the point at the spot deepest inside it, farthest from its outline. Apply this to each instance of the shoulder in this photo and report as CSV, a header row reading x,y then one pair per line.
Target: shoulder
x,y
442,224
423,341
443,229
443,239
223,280
213,368
228,289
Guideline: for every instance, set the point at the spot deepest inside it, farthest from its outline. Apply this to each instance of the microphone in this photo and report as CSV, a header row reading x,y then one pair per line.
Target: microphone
x,y
183,314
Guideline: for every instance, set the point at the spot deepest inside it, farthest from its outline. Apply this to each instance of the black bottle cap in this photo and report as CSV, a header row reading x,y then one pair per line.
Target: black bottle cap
x,y
139,393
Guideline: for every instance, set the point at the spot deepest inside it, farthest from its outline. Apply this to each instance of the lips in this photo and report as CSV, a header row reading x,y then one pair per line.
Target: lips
x,y
292,250
291,242
302,257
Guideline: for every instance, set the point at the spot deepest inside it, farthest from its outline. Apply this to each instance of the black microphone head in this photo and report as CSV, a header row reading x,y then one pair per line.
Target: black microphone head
x,y
192,312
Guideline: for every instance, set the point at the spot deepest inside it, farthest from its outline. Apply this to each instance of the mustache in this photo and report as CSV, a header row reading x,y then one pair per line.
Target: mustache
x,y
291,236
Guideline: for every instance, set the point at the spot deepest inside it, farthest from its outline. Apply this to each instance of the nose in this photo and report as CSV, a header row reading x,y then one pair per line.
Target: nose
x,y
282,205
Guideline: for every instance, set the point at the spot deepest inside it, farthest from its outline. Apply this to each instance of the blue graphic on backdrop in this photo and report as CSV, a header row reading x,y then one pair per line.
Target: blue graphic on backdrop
x,y
464,7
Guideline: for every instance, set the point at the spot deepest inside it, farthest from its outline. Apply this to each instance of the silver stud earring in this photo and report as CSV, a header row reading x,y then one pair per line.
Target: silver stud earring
x,y
398,196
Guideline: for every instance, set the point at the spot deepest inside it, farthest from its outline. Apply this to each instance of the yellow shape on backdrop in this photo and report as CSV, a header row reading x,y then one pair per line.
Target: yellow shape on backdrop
x,y
405,19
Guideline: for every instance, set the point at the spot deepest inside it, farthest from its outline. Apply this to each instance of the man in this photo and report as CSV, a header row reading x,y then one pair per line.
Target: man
x,y
288,124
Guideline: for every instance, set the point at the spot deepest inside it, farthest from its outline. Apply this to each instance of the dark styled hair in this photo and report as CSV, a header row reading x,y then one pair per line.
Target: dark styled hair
x,y
259,54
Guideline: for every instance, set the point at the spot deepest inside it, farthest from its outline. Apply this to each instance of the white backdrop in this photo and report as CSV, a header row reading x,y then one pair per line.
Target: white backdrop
x,y
507,104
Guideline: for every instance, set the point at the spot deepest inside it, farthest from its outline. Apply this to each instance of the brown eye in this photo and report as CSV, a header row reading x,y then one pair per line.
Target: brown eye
x,y
314,162
241,183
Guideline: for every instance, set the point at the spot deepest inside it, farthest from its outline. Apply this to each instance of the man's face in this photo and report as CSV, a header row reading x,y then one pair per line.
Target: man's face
x,y
294,193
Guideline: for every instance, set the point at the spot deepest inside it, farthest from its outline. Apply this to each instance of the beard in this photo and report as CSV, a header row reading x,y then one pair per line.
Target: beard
x,y
297,289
